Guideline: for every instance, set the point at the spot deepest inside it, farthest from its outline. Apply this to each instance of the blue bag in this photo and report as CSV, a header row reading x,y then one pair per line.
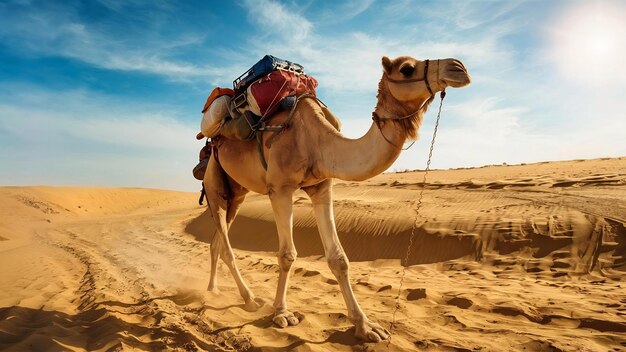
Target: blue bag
x,y
265,66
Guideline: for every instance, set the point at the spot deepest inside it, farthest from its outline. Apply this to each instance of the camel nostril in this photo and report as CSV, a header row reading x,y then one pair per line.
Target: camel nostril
x,y
457,65
407,70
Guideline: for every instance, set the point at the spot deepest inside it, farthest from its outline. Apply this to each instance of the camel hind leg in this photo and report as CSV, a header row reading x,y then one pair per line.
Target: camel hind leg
x,y
224,198
236,197
215,256
236,194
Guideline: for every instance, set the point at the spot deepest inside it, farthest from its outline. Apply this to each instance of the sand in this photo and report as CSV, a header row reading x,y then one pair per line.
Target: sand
x,y
505,258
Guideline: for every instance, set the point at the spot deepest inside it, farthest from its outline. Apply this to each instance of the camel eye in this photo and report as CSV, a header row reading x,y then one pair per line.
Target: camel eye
x,y
407,70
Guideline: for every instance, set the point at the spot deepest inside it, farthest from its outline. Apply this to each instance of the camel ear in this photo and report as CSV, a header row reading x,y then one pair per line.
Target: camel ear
x,y
387,66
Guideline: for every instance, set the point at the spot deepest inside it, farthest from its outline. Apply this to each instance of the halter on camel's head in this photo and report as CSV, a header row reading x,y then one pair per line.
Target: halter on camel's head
x,y
407,77
408,86
407,70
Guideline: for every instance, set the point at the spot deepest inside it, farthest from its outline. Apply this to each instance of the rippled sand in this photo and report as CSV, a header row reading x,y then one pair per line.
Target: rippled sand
x,y
505,258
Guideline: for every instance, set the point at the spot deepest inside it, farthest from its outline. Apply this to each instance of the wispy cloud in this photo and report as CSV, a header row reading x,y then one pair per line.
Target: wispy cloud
x,y
97,139
277,19
350,61
488,130
58,31
437,17
343,11
470,16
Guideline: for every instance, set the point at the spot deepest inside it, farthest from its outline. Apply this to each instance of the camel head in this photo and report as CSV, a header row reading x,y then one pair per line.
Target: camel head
x,y
411,80
408,86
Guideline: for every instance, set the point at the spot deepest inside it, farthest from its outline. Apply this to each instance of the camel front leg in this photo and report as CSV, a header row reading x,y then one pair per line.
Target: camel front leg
x,y
321,197
282,205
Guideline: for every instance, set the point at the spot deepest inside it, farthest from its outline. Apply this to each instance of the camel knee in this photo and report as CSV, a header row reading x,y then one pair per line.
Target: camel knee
x,y
339,264
286,259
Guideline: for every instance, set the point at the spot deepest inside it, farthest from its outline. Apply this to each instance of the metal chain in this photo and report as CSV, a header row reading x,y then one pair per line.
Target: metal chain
x,y
417,215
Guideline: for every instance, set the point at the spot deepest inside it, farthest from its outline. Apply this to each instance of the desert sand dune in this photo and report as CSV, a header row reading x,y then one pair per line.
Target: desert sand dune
x,y
506,258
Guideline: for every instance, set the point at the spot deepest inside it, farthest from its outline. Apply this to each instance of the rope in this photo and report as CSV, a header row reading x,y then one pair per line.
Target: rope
x,y
269,107
414,227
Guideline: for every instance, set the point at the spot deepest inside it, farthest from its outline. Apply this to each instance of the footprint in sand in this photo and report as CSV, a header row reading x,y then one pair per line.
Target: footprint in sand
x,y
460,302
384,288
415,294
309,273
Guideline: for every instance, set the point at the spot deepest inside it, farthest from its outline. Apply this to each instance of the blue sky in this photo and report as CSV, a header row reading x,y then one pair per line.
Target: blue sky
x,y
109,92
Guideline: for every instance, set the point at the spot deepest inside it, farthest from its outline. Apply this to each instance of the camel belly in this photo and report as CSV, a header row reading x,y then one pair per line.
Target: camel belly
x,y
240,160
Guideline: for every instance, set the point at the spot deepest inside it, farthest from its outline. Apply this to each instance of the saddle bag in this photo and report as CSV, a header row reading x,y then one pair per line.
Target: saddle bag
x,y
215,111
265,94
241,128
266,65
200,169
264,70
257,95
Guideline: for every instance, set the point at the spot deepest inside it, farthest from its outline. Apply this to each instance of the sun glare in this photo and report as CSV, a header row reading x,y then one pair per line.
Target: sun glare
x,y
588,41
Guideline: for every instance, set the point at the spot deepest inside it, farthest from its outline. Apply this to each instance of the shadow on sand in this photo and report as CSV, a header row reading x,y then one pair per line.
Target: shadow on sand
x,y
28,329
260,235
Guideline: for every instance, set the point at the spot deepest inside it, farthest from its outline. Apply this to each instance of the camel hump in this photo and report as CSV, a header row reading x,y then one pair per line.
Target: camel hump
x,y
328,115
331,118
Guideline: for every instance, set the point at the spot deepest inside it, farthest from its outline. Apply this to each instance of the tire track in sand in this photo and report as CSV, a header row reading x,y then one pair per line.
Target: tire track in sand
x,y
118,303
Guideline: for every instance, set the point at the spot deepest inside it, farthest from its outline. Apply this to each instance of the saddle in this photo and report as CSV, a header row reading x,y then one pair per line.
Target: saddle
x,y
244,112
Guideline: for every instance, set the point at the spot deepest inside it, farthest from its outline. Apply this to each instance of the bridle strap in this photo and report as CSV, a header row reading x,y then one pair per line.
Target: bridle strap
x,y
413,80
379,122
426,78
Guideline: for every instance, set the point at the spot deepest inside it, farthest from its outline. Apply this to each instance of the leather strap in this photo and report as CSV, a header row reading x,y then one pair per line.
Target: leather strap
x,y
413,80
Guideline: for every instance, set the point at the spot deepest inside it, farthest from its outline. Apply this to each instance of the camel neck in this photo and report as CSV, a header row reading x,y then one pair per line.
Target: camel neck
x,y
365,157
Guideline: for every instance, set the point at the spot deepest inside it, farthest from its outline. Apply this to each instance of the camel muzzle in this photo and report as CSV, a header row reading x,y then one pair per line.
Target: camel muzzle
x,y
455,74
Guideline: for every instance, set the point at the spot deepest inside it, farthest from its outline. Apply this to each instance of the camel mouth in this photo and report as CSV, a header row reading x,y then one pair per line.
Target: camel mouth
x,y
455,75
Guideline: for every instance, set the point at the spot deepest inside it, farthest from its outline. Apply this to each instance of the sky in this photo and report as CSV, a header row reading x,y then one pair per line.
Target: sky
x,y
109,92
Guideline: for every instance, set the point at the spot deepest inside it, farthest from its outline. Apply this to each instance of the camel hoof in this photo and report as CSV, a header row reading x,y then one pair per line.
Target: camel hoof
x,y
253,304
371,332
213,289
287,318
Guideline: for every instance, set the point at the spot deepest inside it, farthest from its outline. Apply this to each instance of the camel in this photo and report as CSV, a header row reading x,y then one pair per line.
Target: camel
x,y
307,156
